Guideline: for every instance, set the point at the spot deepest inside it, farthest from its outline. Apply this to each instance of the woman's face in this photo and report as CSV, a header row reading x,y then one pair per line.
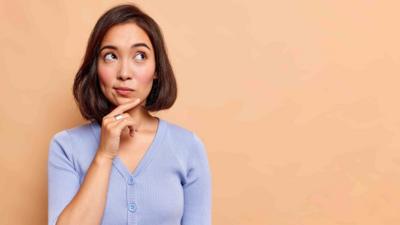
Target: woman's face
x,y
126,61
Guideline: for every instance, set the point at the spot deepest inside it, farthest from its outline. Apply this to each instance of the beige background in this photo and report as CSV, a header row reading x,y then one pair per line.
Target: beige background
x,y
296,101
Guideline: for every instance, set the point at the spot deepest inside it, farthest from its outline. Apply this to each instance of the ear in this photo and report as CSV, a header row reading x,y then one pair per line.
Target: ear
x,y
155,76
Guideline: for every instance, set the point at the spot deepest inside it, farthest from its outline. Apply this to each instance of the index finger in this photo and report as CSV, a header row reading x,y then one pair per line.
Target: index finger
x,y
124,107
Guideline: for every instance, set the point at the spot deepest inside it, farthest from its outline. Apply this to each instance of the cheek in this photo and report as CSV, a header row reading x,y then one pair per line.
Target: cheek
x,y
105,75
145,77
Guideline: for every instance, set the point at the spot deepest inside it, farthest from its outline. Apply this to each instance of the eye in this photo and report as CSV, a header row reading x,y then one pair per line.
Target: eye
x,y
140,56
109,56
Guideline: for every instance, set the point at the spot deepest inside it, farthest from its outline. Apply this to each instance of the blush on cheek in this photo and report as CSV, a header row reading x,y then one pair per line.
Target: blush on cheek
x,y
145,75
145,79
105,76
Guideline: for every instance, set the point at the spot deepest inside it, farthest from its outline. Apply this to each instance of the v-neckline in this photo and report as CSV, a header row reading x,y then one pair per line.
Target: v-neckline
x,y
146,158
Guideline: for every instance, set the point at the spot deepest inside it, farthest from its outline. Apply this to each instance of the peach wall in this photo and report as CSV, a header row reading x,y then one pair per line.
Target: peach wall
x,y
296,101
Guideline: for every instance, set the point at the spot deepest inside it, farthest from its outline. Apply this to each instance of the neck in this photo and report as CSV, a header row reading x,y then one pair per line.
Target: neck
x,y
142,118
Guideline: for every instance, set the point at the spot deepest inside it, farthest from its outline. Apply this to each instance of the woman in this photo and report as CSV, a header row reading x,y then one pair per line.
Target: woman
x,y
127,166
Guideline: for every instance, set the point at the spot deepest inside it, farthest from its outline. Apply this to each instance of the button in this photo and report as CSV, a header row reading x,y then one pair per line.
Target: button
x,y
130,180
132,207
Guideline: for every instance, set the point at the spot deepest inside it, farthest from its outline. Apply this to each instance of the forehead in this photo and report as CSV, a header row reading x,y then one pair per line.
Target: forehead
x,y
124,35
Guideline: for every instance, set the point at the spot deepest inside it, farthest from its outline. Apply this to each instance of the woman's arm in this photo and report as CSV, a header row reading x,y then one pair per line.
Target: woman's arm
x,y
87,207
197,188
69,202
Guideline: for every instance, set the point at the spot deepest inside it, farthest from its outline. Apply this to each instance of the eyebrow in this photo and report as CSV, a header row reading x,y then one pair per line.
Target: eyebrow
x,y
133,46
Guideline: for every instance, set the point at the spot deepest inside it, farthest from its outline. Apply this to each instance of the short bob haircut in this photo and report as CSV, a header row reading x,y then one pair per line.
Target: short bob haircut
x,y
92,103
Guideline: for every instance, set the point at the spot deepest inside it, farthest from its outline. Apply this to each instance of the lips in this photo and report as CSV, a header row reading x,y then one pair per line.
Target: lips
x,y
123,91
124,88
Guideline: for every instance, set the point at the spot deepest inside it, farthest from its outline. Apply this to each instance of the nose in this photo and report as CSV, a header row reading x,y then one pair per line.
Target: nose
x,y
125,72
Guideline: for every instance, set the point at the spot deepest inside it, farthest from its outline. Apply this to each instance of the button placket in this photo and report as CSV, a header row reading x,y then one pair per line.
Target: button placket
x,y
132,207
131,200
130,180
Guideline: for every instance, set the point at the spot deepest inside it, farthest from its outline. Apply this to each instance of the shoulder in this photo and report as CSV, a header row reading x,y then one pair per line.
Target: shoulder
x,y
80,134
182,134
83,130
185,141
76,131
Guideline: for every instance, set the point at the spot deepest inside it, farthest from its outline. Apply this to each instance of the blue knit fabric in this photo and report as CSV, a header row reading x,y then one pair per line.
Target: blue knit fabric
x,y
171,185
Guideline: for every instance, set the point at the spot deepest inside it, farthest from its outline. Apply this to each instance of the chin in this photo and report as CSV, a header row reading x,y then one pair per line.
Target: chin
x,y
121,100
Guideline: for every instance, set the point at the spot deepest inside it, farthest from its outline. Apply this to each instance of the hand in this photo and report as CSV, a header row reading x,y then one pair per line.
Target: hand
x,y
111,129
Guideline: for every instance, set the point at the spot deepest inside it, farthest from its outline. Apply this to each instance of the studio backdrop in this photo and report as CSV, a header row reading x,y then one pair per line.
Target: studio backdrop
x,y
297,103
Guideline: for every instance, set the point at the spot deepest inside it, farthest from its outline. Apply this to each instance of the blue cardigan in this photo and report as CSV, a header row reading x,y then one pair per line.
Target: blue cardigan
x,y
171,185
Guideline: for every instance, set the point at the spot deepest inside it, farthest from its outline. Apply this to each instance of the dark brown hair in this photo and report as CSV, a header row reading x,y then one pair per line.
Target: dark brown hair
x,y
92,103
